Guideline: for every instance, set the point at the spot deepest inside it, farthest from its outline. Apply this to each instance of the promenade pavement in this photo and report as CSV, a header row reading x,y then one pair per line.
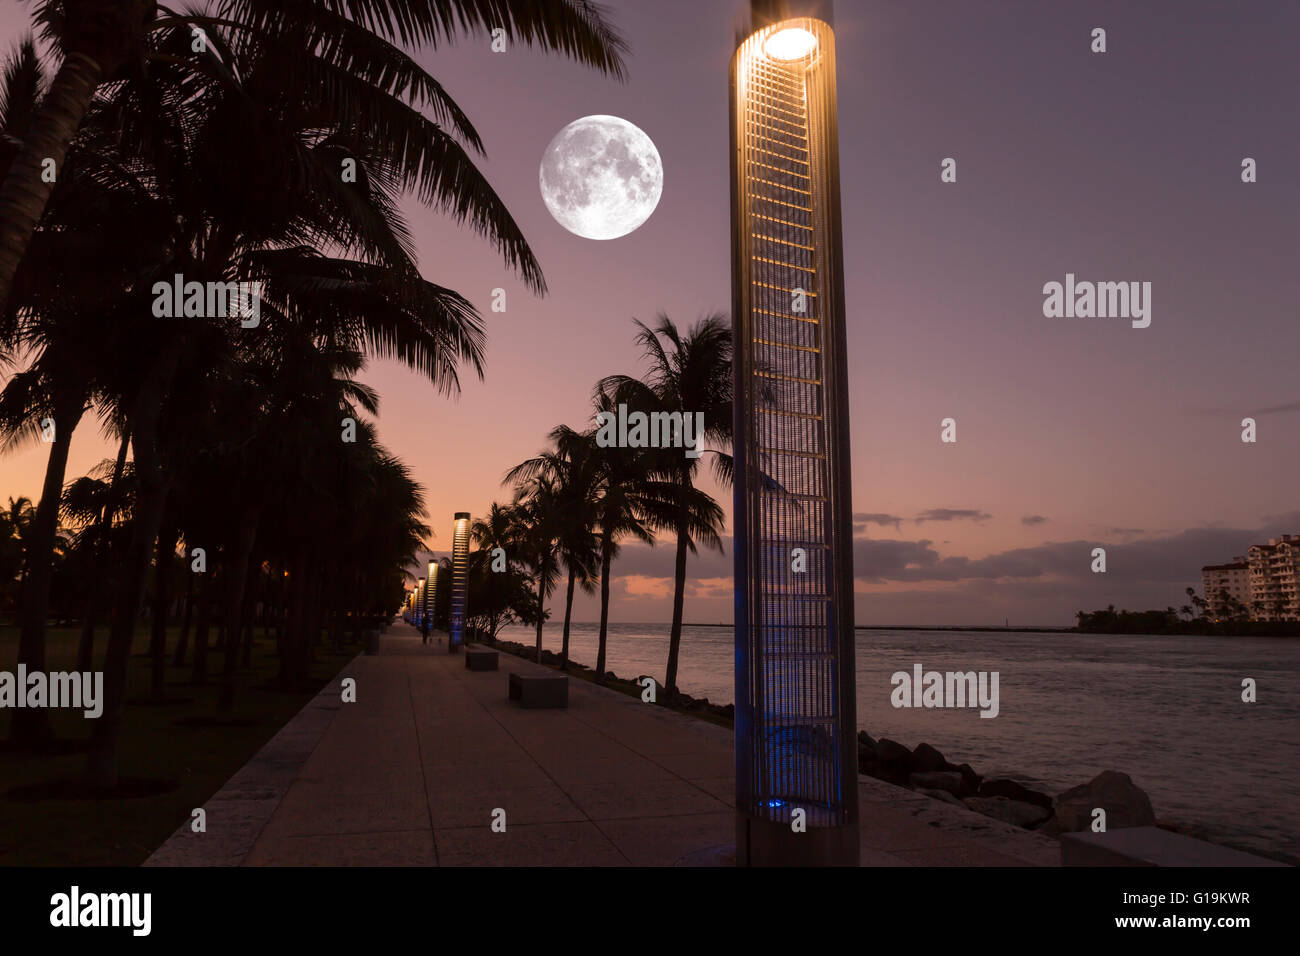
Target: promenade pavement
x,y
413,773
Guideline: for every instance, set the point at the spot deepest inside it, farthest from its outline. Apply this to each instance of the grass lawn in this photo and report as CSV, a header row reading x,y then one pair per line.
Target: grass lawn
x,y
177,744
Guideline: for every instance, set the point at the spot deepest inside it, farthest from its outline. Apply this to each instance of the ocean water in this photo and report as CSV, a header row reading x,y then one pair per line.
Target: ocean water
x,y
1165,710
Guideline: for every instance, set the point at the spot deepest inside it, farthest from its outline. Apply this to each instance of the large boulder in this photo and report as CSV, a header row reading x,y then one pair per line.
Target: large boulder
x,y
892,752
890,764
1125,803
926,759
947,781
1016,812
1015,791
866,754
942,795
970,780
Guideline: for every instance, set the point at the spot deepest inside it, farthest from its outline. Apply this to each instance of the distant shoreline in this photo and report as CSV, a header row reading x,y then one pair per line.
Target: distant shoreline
x,y
937,627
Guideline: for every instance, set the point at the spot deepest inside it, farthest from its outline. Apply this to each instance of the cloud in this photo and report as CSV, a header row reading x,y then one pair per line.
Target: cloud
x,y
1031,520
1280,409
640,560
914,582
1245,410
1286,523
951,514
640,586
863,519
1172,559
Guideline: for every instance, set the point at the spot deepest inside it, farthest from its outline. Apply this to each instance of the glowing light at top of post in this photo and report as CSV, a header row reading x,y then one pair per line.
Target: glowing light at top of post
x,y
791,43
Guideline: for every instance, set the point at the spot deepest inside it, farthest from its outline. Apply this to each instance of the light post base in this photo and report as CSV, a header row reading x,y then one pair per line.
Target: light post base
x,y
710,856
762,842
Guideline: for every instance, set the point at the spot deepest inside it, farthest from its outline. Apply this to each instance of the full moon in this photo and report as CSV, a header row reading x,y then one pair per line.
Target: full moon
x,y
601,177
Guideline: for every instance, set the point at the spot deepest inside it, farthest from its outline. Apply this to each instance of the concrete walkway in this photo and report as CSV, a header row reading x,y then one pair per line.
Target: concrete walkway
x,y
412,773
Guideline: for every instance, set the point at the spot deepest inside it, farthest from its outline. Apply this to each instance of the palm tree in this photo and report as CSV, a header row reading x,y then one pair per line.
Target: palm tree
x,y
576,538
37,396
536,507
67,317
95,38
497,596
499,529
349,41
573,468
240,212
93,502
688,375
318,88
630,501
15,531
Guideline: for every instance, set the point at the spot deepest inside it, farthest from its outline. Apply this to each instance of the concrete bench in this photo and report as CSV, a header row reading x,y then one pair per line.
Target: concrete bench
x,y
478,658
543,690
1149,846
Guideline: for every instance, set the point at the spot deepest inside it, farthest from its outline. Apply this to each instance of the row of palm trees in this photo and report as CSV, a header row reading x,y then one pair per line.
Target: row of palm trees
x,y
217,145
576,503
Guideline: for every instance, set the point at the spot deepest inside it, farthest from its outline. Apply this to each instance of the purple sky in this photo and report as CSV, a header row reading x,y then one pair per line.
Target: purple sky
x,y
1123,166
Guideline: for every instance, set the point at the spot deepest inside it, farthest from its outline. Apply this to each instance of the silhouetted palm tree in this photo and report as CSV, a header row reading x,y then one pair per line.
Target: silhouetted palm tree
x,y
688,375
574,468
15,530
63,324
536,508
498,529
306,87
240,212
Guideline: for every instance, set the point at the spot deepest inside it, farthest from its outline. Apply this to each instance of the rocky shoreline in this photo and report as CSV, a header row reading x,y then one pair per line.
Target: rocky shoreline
x,y
925,770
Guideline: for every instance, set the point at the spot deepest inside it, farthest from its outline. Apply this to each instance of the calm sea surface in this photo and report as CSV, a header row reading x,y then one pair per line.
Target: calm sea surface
x,y
1165,710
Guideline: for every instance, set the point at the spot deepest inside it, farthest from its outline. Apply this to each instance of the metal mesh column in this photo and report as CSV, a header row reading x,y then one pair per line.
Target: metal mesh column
x,y
431,592
459,581
795,703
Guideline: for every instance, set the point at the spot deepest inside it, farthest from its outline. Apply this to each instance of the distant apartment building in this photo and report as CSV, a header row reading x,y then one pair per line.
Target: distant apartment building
x,y
1233,578
1274,577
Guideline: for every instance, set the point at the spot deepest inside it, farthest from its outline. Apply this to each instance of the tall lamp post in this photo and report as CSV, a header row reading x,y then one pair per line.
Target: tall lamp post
x,y
459,582
431,593
796,747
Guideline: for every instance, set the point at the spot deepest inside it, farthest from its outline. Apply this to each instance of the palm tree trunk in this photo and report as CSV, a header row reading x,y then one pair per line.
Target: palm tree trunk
x,y
336,629
182,642
541,609
236,585
313,616
163,571
100,588
250,610
203,623
86,640
679,596
151,500
606,559
24,192
31,725
568,615
295,631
